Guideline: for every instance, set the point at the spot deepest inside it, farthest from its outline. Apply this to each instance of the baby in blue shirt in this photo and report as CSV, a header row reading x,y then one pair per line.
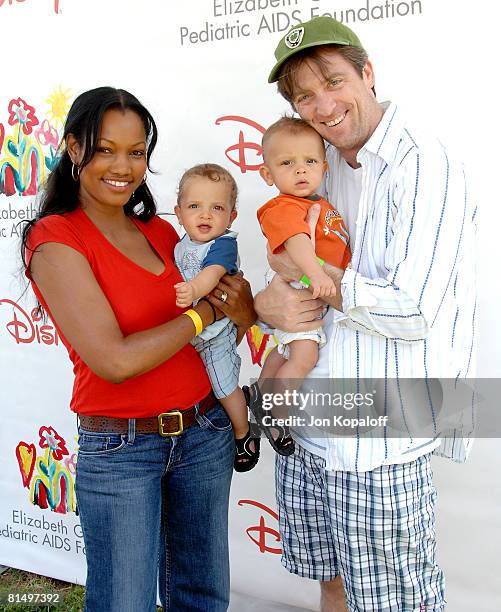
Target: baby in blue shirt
x,y
206,203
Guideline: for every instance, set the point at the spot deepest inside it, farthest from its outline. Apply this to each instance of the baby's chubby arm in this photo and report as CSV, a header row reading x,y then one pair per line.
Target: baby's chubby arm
x,y
302,252
199,286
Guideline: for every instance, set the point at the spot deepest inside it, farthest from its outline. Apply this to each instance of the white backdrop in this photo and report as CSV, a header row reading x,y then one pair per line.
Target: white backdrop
x,y
201,70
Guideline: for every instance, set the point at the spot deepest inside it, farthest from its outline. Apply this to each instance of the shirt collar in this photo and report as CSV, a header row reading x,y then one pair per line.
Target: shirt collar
x,y
387,134
385,137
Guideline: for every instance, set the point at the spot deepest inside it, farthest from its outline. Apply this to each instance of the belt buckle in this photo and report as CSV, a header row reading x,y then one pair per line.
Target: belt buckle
x,y
166,434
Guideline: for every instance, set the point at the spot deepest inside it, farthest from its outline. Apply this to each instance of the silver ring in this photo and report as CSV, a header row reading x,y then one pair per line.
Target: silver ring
x,y
224,296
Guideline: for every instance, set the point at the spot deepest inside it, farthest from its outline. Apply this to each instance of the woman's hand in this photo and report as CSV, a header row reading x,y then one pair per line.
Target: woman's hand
x,y
239,303
291,310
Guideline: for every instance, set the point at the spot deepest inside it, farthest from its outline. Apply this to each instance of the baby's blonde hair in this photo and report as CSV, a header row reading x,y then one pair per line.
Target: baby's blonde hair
x,y
215,173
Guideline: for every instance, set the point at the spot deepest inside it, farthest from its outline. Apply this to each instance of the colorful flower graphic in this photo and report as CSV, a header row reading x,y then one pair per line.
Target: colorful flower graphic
x,y
49,477
49,438
47,135
28,152
71,463
24,114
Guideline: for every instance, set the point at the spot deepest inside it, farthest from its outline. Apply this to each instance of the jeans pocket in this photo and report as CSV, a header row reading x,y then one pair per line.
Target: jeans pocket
x,y
100,443
215,419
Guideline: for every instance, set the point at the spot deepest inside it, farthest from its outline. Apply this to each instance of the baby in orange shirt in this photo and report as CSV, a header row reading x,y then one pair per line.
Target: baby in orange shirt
x,y
294,161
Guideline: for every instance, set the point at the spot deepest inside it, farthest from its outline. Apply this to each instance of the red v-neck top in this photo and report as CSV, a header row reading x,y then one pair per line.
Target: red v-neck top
x,y
140,300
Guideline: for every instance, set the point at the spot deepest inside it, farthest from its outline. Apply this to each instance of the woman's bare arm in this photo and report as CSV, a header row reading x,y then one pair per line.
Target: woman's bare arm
x,y
86,319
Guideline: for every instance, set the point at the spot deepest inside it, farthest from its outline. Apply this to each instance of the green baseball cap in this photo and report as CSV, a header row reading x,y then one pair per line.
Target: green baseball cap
x,y
317,31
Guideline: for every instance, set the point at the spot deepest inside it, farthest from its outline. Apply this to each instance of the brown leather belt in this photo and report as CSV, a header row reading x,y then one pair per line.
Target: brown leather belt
x,y
170,423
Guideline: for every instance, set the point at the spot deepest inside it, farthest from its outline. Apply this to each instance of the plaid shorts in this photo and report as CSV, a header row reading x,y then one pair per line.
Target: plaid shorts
x,y
221,360
374,529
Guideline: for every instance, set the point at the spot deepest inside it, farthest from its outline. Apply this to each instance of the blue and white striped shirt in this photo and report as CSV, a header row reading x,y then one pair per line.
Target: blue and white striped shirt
x,y
409,297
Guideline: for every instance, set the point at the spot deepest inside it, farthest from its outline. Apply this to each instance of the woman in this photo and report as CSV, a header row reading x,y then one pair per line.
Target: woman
x,y
155,449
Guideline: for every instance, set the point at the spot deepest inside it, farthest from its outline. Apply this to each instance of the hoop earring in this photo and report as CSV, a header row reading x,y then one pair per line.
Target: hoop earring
x,y
77,178
144,179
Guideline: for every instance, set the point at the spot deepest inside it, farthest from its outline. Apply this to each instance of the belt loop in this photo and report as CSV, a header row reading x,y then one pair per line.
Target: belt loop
x,y
198,417
131,434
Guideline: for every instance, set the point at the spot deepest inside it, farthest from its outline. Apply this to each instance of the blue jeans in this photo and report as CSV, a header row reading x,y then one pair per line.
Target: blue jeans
x,y
157,507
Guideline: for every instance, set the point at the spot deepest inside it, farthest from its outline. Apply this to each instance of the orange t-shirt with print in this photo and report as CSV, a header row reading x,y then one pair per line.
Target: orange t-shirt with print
x,y
285,216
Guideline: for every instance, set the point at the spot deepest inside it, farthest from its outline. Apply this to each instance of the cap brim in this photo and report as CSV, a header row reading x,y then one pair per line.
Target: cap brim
x,y
272,78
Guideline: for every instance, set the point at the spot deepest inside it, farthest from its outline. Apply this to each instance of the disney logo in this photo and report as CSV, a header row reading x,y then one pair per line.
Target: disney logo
x,y
11,2
243,145
25,328
262,530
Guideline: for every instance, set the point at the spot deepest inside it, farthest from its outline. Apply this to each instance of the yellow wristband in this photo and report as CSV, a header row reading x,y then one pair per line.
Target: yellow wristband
x,y
197,320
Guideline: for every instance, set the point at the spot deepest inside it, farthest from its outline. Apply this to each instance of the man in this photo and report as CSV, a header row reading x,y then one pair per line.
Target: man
x,y
357,513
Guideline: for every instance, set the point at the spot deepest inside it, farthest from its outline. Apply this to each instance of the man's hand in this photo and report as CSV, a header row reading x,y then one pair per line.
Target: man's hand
x,y
185,294
283,265
311,220
283,307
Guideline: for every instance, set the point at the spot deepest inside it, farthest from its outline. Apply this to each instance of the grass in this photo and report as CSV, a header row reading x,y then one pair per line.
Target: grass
x,y
17,581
